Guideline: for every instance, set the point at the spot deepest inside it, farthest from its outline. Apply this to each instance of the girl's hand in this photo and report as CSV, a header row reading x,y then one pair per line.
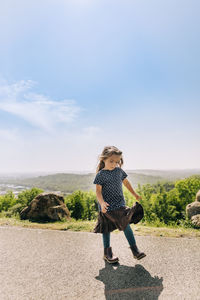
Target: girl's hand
x,y
138,197
104,207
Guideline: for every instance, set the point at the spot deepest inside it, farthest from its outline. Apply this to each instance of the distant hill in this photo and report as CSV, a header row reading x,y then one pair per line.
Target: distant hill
x,y
69,182
168,174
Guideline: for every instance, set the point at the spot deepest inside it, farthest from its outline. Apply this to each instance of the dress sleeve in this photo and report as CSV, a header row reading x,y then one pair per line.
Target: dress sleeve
x,y
98,179
123,175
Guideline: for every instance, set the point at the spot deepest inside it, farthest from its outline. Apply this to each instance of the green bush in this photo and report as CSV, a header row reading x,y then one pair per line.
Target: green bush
x,y
14,210
166,202
74,203
129,198
187,189
163,203
90,206
12,206
82,205
25,197
7,200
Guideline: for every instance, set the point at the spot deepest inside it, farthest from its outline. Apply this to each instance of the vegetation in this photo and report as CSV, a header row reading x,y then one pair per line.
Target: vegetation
x,y
164,203
88,226
82,205
11,206
69,183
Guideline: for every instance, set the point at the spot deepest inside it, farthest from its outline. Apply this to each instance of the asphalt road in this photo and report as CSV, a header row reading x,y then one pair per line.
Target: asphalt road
x,y
49,264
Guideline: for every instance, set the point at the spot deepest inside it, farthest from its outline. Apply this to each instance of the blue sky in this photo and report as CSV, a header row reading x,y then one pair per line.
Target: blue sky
x,y
81,74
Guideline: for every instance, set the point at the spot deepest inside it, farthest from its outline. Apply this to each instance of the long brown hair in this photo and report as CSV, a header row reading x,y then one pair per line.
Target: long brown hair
x,y
107,152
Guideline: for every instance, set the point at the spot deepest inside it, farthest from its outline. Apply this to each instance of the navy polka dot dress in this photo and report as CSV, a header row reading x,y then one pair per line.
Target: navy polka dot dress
x,y
111,182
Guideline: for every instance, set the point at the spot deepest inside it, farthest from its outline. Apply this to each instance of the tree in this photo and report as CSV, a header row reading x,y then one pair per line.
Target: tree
x,y
187,189
7,201
25,197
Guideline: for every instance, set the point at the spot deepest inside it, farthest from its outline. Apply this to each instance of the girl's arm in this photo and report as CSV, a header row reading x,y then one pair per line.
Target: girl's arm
x,y
103,204
129,187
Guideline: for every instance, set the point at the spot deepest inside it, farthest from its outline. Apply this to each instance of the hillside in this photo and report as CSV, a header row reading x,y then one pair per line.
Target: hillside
x,y
68,182
168,174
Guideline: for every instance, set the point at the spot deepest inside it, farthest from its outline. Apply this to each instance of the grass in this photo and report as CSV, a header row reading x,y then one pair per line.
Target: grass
x,y
87,226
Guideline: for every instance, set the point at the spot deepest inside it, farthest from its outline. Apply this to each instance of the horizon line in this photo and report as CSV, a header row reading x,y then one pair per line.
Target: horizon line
x,y
92,171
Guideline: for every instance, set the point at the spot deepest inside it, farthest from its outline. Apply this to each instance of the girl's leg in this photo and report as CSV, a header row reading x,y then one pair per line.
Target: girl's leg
x,y
131,239
129,235
108,255
106,240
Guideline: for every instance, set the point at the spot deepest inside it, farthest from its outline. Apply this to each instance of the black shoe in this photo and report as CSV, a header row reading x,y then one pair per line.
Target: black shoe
x,y
108,256
136,253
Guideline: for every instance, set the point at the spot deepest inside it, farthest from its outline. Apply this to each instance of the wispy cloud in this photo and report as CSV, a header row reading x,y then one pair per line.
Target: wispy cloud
x,y
36,109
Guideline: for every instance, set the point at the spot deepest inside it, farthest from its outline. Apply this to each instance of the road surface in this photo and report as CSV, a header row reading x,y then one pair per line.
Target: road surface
x,y
50,264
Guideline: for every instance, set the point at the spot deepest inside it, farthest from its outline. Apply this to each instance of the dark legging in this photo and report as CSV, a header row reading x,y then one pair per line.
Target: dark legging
x,y
128,234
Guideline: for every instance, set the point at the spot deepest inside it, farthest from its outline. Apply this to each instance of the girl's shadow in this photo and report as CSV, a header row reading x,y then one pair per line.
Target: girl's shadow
x,y
123,282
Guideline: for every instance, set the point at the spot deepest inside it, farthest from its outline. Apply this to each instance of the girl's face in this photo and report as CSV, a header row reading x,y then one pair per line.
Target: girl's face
x,y
112,162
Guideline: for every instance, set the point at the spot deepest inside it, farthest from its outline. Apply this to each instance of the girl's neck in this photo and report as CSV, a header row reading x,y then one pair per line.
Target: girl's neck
x,y
108,169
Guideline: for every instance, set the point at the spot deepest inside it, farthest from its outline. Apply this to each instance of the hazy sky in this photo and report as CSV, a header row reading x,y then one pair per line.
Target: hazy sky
x,y
76,75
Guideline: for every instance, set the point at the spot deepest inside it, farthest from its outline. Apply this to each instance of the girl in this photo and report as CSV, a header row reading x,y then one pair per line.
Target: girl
x,y
113,213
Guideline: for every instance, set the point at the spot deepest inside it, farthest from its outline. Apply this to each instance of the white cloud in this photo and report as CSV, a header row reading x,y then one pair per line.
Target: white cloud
x,y
47,146
36,109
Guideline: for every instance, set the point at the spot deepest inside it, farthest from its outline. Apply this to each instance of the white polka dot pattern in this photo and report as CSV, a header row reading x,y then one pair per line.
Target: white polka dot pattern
x,y
111,181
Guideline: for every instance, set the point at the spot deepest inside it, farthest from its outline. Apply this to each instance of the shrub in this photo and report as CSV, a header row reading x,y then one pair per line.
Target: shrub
x,y
82,205
7,200
74,203
187,189
25,197
167,202
14,210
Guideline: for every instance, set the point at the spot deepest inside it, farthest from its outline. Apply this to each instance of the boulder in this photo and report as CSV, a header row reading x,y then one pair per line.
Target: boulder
x,y
196,220
46,207
193,209
198,196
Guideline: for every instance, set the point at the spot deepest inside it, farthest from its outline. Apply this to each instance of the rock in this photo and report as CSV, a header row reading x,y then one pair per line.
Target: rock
x,y
198,196
196,220
193,209
46,207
